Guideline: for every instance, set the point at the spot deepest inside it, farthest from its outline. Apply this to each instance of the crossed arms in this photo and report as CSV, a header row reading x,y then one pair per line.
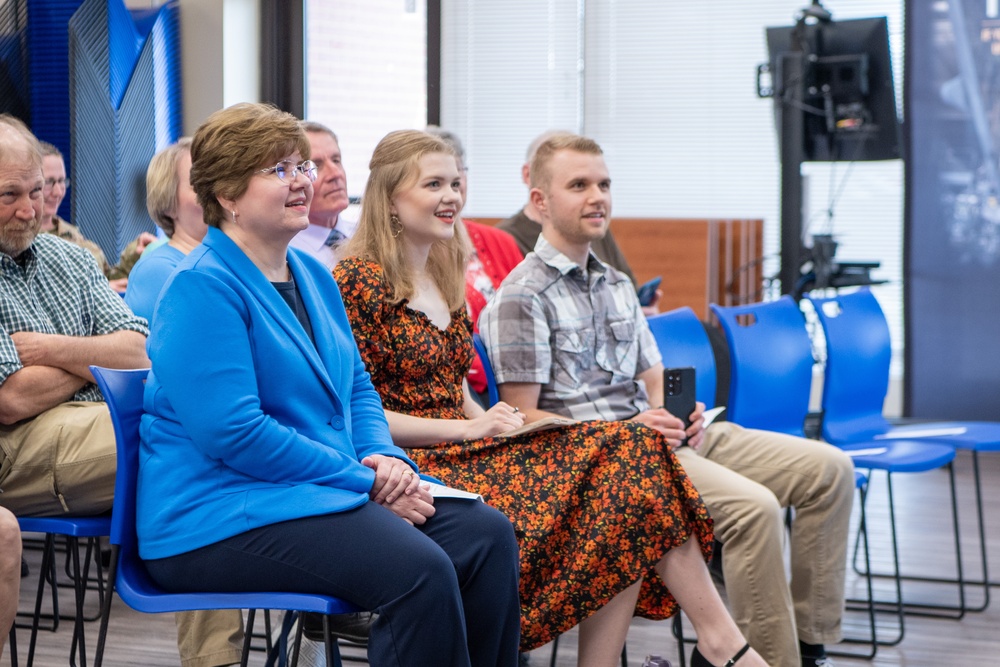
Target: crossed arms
x,y
55,367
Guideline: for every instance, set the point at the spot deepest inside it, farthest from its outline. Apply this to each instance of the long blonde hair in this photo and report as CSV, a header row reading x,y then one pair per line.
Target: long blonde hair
x,y
394,165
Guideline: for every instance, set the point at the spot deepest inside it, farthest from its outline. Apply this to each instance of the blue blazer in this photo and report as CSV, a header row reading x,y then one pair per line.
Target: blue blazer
x,y
247,423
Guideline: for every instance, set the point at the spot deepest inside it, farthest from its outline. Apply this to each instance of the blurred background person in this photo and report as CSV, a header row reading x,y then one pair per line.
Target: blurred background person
x,y
327,227
173,206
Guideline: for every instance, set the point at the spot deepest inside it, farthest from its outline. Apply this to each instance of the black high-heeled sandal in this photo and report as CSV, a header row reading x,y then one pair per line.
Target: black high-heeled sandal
x,y
698,660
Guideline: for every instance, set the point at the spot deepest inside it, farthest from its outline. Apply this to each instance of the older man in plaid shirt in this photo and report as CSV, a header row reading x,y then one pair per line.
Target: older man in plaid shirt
x,y
57,316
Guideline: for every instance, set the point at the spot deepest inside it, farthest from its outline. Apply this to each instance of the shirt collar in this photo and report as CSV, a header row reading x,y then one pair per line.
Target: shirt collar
x,y
27,263
314,236
563,264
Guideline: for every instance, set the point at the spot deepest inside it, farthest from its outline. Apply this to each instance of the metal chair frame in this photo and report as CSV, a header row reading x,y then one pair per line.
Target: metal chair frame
x,y
772,366
859,347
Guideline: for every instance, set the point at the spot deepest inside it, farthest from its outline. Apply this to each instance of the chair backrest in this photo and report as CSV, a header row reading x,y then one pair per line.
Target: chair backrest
x,y
123,391
491,381
856,377
771,365
682,340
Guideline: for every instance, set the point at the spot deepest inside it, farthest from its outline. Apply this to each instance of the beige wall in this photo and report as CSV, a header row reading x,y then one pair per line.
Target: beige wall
x,y
220,46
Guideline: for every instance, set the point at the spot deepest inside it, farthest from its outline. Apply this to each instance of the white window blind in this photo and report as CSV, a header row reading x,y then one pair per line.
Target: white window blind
x,y
668,89
366,73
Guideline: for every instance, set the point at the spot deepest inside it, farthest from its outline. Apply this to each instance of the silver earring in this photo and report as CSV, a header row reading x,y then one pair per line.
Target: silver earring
x,y
233,211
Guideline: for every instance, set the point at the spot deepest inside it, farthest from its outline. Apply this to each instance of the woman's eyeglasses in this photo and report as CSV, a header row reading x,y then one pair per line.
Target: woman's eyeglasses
x,y
286,170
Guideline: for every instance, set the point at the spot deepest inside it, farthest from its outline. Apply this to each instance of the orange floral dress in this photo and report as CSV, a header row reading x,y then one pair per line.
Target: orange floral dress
x,y
594,505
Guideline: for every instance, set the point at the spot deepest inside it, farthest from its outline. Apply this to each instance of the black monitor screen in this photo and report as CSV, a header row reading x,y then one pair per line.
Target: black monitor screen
x,y
846,87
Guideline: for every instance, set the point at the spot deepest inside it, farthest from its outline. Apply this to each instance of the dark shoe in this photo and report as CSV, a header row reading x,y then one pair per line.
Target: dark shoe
x,y
698,660
814,655
824,661
352,627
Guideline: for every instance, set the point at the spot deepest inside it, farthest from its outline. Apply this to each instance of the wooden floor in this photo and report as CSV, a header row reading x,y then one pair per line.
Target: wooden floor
x,y
923,515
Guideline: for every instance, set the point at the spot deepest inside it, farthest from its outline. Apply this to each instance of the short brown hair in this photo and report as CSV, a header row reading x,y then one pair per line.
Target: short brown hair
x,y
14,131
541,176
162,184
394,165
232,145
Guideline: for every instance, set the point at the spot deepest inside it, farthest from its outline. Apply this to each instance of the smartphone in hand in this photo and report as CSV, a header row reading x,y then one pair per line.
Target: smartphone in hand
x,y
679,393
647,291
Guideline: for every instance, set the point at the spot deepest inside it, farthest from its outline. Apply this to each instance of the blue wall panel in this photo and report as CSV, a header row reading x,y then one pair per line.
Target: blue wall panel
x,y
952,261
125,106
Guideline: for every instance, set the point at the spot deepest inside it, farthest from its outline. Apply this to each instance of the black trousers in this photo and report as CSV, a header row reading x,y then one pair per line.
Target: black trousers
x,y
446,592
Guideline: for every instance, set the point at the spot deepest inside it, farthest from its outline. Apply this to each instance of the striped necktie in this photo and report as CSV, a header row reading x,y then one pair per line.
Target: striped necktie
x,y
335,238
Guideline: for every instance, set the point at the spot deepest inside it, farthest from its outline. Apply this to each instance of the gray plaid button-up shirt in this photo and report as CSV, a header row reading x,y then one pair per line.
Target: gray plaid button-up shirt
x,y
579,333
58,290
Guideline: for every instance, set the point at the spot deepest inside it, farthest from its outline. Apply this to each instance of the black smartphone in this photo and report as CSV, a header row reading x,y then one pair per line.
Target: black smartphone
x,y
678,393
647,291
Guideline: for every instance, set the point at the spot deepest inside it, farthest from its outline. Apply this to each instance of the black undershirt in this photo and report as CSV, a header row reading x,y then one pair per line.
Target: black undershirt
x,y
290,293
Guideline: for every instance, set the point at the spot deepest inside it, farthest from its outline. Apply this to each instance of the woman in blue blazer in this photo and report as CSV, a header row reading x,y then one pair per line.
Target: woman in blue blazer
x,y
266,461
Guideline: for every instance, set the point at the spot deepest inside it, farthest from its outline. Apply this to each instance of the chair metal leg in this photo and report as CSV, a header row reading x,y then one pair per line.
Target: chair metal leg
x,y
869,607
102,634
678,630
298,638
330,645
247,636
555,649
12,642
984,582
80,588
46,564
927,609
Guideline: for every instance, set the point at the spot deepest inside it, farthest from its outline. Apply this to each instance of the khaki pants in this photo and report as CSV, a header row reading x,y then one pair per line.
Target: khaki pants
x,y
60,462
746,479
63,462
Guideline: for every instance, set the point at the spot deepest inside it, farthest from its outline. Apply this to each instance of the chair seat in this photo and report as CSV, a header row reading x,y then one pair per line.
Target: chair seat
x,y
76,526
138,591
972,435
900,455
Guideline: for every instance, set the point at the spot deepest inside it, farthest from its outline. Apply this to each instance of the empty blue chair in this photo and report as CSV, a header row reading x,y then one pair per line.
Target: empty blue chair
x,y
856,380
772,364
491,381
123,391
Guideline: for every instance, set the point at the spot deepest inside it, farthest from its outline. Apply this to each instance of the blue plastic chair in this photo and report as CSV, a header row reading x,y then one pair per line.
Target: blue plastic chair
x,y
491,381
683,341
123,391
73,528
856,380
772,366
